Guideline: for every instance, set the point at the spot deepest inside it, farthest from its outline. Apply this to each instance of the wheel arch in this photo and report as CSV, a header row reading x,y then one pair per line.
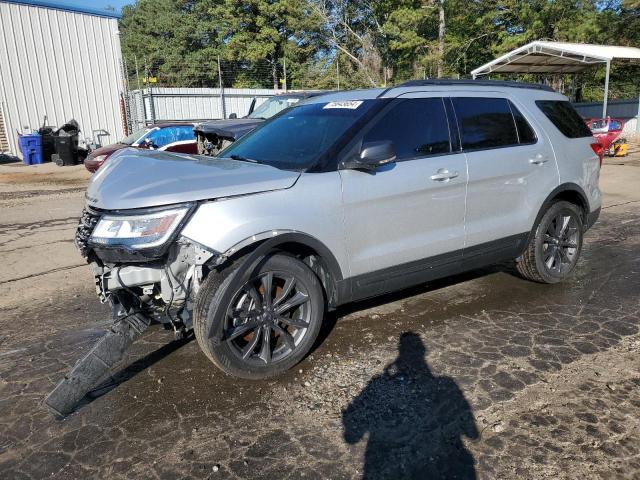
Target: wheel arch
x,y
306,247
570,192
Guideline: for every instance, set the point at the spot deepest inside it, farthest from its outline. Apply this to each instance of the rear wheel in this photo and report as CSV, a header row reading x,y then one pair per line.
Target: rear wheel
x,y
554,248
258,323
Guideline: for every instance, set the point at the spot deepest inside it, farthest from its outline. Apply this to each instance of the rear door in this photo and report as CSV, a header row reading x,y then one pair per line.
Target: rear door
x,y
407,217
512,169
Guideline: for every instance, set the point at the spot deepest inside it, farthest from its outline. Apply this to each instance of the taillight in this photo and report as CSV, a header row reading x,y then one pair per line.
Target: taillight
x,y
599,150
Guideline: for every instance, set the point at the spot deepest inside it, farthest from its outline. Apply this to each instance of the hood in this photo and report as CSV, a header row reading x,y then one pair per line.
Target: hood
x,y
107,150
134,178
233,128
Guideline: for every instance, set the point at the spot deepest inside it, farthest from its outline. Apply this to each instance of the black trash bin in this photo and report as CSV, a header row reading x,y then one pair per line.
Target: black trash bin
x,y
66,150
48,143
66,144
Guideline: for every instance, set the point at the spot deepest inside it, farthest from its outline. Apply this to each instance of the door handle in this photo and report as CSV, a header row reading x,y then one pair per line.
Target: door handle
x,y
443,175
539,159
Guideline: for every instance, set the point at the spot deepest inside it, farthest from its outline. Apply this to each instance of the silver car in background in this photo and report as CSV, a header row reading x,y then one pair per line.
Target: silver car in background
x,y
342,197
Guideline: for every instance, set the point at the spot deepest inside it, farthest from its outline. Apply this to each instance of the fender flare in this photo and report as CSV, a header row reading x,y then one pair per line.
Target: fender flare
x,y
565,187
300,238
252,260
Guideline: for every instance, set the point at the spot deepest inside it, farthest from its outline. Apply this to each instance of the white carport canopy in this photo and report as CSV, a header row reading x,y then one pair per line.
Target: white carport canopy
x,y
557,57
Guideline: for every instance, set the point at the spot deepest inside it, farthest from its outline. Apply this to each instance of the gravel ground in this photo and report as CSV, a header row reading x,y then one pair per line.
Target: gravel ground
x,y
482,375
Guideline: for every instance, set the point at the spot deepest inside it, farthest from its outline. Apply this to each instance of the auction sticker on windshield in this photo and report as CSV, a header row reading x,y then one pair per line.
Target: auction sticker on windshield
x,y
349,104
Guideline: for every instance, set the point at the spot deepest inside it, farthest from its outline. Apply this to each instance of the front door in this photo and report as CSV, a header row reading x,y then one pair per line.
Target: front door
x,y
405,220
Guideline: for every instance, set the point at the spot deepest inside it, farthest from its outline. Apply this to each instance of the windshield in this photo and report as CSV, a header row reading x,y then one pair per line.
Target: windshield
x,y
273,105
296,139
135,136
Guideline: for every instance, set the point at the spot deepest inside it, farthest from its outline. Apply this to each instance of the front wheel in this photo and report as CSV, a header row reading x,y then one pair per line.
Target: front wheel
x,y
553,250
256,324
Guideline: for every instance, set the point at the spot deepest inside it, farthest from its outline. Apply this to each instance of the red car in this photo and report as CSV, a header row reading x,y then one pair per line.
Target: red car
x,y
170,137
605,131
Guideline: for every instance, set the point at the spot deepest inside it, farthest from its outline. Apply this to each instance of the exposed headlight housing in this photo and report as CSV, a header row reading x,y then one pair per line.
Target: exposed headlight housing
x,y
138,231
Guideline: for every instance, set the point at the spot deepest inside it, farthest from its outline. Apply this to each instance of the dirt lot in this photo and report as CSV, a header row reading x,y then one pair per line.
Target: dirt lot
x,y
481,375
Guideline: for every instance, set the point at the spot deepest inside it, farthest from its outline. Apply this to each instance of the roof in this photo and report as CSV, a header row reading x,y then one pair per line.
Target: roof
x,y
171,123
300,94
66,8
439,82
556,57
347,95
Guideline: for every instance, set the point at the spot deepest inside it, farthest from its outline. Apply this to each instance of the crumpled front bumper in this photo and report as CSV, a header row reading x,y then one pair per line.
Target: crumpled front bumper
x,y
158,283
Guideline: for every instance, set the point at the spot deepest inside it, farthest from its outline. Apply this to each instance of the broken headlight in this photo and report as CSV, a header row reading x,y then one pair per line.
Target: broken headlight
x,y
138,231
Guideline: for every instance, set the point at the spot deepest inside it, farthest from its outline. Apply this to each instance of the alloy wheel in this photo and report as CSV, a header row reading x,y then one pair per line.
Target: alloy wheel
x,y
560,243
267,318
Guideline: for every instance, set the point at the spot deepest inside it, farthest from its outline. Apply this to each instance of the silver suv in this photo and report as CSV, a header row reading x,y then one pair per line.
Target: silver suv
x,y
342,197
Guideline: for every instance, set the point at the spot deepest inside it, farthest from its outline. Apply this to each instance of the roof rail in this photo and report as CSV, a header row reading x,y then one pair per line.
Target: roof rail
x,y
437,82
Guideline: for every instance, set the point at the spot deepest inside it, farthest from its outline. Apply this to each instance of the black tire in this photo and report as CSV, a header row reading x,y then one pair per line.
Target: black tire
x,y
251,335
555,246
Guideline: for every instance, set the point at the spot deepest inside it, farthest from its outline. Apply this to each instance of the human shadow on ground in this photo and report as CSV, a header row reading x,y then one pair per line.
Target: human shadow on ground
x,y
415,421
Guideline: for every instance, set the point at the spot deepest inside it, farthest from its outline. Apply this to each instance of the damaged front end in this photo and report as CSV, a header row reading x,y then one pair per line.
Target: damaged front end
x,y
141,263
147,272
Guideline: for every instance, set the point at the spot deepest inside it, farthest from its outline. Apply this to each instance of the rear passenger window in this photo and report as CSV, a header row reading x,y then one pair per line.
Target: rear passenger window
x,y
485,122
417,127
525,132
564,117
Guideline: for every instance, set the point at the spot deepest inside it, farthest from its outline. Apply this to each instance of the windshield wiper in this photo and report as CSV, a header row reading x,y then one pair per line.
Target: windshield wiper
x,y
240,158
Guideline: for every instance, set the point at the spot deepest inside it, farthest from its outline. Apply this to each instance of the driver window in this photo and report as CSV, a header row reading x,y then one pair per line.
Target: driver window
x,y
417,127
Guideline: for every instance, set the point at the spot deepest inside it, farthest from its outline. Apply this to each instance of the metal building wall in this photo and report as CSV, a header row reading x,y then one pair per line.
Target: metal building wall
x,y
61,64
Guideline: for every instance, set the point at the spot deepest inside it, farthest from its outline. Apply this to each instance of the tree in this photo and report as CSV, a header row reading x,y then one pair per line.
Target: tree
x,y
174,38
370,42
265,31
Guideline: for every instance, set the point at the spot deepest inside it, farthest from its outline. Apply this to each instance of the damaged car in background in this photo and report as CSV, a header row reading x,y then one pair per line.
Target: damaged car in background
x,y
339,198
215,135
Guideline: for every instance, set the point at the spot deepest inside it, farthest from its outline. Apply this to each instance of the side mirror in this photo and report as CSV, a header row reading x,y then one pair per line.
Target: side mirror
x,y
232,116
372,156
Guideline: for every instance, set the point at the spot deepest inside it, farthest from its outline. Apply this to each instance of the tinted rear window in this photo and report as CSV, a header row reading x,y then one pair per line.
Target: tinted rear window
x,y
485,122
417,127
564,117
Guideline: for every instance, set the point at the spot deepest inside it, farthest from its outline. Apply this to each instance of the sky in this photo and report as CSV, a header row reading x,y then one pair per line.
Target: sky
x,y
94,4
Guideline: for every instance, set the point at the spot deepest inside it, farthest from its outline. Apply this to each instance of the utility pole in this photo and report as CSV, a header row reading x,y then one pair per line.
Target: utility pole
x,y
441,32
135,57
284,68
138,99
222,105
338,69
152,108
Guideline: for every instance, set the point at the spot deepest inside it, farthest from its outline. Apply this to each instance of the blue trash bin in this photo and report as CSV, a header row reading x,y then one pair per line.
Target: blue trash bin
x,y
31,148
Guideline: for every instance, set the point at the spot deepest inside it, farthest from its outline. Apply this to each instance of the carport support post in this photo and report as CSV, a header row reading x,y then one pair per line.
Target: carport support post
x,y
606,90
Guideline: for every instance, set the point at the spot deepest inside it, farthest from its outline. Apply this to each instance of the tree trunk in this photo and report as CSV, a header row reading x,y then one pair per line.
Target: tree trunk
x,y
441,32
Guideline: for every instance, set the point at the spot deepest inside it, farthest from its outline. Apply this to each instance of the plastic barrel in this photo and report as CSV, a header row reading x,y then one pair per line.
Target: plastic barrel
x,y
31,148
